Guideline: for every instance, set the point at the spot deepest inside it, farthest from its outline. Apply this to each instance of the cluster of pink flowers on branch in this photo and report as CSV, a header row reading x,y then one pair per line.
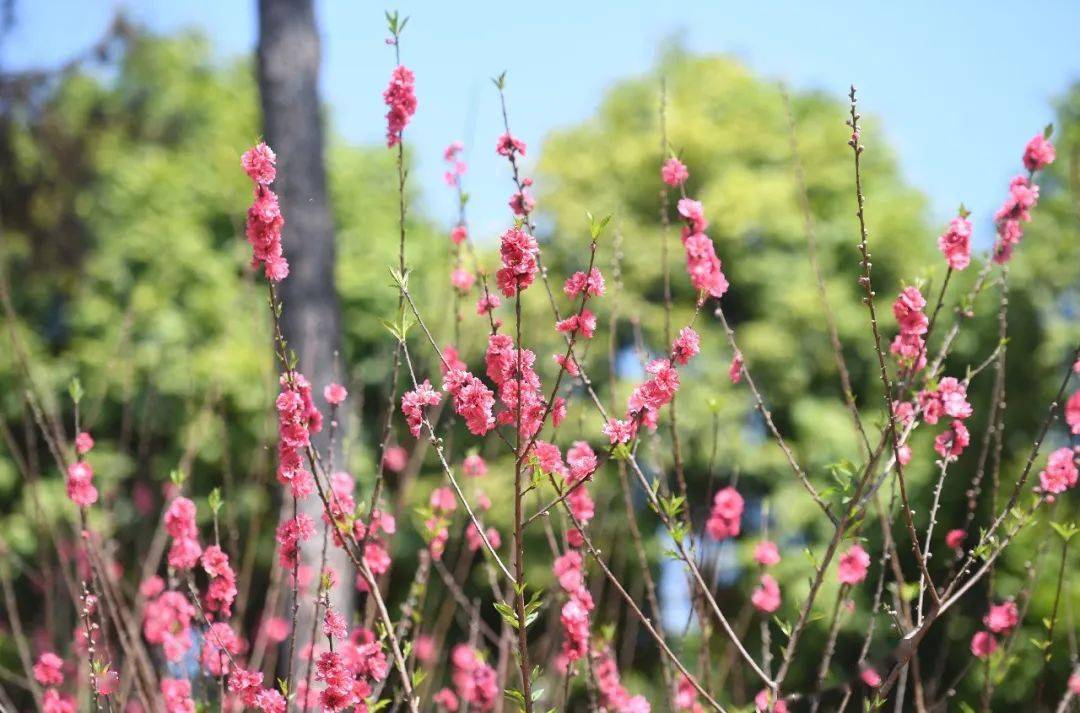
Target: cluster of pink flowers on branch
x,y
1022,197
264,219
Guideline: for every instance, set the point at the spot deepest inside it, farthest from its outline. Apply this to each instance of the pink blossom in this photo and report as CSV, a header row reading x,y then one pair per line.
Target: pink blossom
x,y
276,629
1060,473
618,431
413,403
766,598
592,284
54,702
726,514
258,163
445,697
953,395
686,346
176,695
1002,617
462,280
335,394
443,500
1074,683
521,203
290,534
954,539
487,303
507,145
475,681
80,486
221,590
983,644
903,454
83,443
108,682
951,442
180,518
908,310
334,625
736,369
395,459
766,553
474,542
568,363
48,671
151,587
703,266
1072,412
694,214
270,700
584,324
1039,153
518,251
870,677
459,234
400,98
853,565
472,400
955,243
474,466
674,172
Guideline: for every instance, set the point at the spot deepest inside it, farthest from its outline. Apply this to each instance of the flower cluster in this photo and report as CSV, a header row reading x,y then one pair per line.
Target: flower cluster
x,y
613,695
167,619
955,243
176,695
475,680
298,420
766,597
725,518
575,611
455,166
413,403
1022,197
473,400
947,398
908,347
221,591
376,550
592,284
264,219
702,264
400,99
518,251
1000,619
515,390
180,524
1060,473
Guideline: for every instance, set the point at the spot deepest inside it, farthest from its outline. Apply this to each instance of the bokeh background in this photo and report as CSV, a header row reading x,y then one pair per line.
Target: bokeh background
x,y
122,204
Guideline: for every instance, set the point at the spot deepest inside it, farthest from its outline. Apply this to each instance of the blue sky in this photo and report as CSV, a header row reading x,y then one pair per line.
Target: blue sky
x,y
960,85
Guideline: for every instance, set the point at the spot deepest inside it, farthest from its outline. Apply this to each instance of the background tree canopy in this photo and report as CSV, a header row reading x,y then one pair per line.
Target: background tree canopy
x,y
122,208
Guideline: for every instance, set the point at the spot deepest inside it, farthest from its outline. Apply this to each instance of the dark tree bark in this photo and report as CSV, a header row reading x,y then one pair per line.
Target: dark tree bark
x,y
289,56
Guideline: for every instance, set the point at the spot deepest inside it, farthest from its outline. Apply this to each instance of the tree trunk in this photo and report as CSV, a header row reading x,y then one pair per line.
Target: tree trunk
x,y
288,83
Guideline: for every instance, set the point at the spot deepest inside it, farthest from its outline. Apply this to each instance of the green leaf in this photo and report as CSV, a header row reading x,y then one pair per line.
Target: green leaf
x,y
1065,530
214,500
75,389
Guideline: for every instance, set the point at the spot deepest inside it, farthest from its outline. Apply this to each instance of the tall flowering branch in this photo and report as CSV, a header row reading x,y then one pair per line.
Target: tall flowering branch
x,y
865,284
